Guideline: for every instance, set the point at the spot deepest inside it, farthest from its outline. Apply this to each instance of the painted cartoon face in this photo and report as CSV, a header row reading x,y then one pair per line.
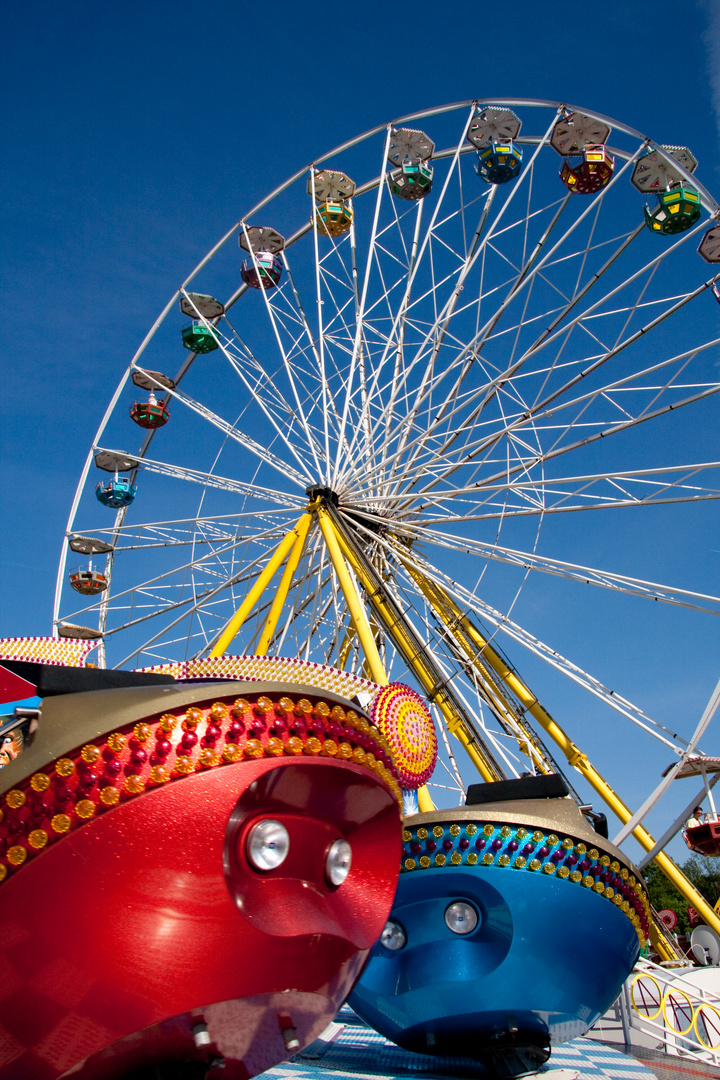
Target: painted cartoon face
x,y
11,745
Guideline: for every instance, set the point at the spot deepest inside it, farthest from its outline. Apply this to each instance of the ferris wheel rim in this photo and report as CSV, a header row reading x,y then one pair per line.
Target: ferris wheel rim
x,y
373,184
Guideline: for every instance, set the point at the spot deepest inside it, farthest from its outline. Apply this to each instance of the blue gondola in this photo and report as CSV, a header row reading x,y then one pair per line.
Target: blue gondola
x,y
116,493
499,162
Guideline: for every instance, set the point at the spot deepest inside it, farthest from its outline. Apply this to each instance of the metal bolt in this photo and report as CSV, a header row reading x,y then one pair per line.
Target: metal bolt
x,y
201,1035
292,1043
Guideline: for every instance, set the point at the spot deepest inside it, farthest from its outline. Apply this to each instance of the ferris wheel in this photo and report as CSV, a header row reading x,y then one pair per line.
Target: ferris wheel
x,y
351,441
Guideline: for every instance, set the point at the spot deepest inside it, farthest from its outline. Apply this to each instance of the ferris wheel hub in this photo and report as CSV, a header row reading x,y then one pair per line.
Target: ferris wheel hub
x,y
319,491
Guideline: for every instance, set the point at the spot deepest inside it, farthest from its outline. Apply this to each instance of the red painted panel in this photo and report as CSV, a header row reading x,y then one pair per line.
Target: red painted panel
x,y
150,912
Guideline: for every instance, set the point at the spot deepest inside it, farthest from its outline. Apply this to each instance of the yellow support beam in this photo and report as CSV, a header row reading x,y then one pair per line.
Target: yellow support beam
x,y
301,529
414,657
577,759
494,687
335,545
357,613
276,559
425,803
346,647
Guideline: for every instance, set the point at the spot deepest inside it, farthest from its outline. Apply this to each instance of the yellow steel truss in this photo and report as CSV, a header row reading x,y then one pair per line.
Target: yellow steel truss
x,y
494,687
276,559
500,683
481,654
354,604
415,655
301,534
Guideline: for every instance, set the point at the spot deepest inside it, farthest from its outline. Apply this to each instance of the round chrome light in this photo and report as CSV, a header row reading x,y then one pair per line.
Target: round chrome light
x,y
268,845
393,936
460,917
338,862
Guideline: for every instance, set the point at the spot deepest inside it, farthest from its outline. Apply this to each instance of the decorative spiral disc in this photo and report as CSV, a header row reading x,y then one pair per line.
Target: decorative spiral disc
x,y
403,718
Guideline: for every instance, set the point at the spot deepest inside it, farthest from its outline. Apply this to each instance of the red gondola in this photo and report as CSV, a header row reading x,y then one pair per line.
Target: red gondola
x,y
150,414
703,838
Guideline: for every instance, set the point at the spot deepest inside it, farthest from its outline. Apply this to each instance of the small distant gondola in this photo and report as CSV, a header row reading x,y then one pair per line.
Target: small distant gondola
x,y
703,837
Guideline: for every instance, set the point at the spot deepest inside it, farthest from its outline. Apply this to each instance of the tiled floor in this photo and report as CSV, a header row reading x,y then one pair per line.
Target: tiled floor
x,y
357,1052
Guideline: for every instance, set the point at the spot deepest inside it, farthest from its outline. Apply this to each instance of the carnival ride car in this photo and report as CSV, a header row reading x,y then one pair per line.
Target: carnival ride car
x,y
191,872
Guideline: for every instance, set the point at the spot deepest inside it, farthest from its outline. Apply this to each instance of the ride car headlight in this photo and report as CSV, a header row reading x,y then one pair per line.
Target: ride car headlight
x,y
393,936
338,862
268,845
460,917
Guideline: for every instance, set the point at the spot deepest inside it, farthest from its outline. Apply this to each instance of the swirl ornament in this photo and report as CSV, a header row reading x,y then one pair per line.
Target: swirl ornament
x,y
403,718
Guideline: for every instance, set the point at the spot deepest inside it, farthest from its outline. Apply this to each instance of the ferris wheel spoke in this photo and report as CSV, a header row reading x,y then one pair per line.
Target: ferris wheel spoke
x,y
537,261
264,392
530,269
531,505
471,419
541,412
181,531
319,348
502,624
358,342
494,231
203,603
625,425
205,561
437,335
679,360
559,329
288,367
494,552
424,247
436,331
396,338
210,480
257,377
465,360
448,413
667,594
232,432
374,334
540,492
380,311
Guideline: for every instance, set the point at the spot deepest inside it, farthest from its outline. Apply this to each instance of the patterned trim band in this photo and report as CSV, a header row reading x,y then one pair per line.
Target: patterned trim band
x,y
94,778
515,847
270,668
67,652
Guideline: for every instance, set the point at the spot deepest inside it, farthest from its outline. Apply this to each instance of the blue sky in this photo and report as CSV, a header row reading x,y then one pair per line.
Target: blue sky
x,y
136,133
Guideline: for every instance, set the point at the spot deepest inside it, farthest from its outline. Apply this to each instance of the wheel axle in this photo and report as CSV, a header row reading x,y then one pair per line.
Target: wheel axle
x,y
315,492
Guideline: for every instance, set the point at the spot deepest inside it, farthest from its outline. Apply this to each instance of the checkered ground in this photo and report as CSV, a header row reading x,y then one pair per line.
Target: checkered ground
x,y
357,1052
